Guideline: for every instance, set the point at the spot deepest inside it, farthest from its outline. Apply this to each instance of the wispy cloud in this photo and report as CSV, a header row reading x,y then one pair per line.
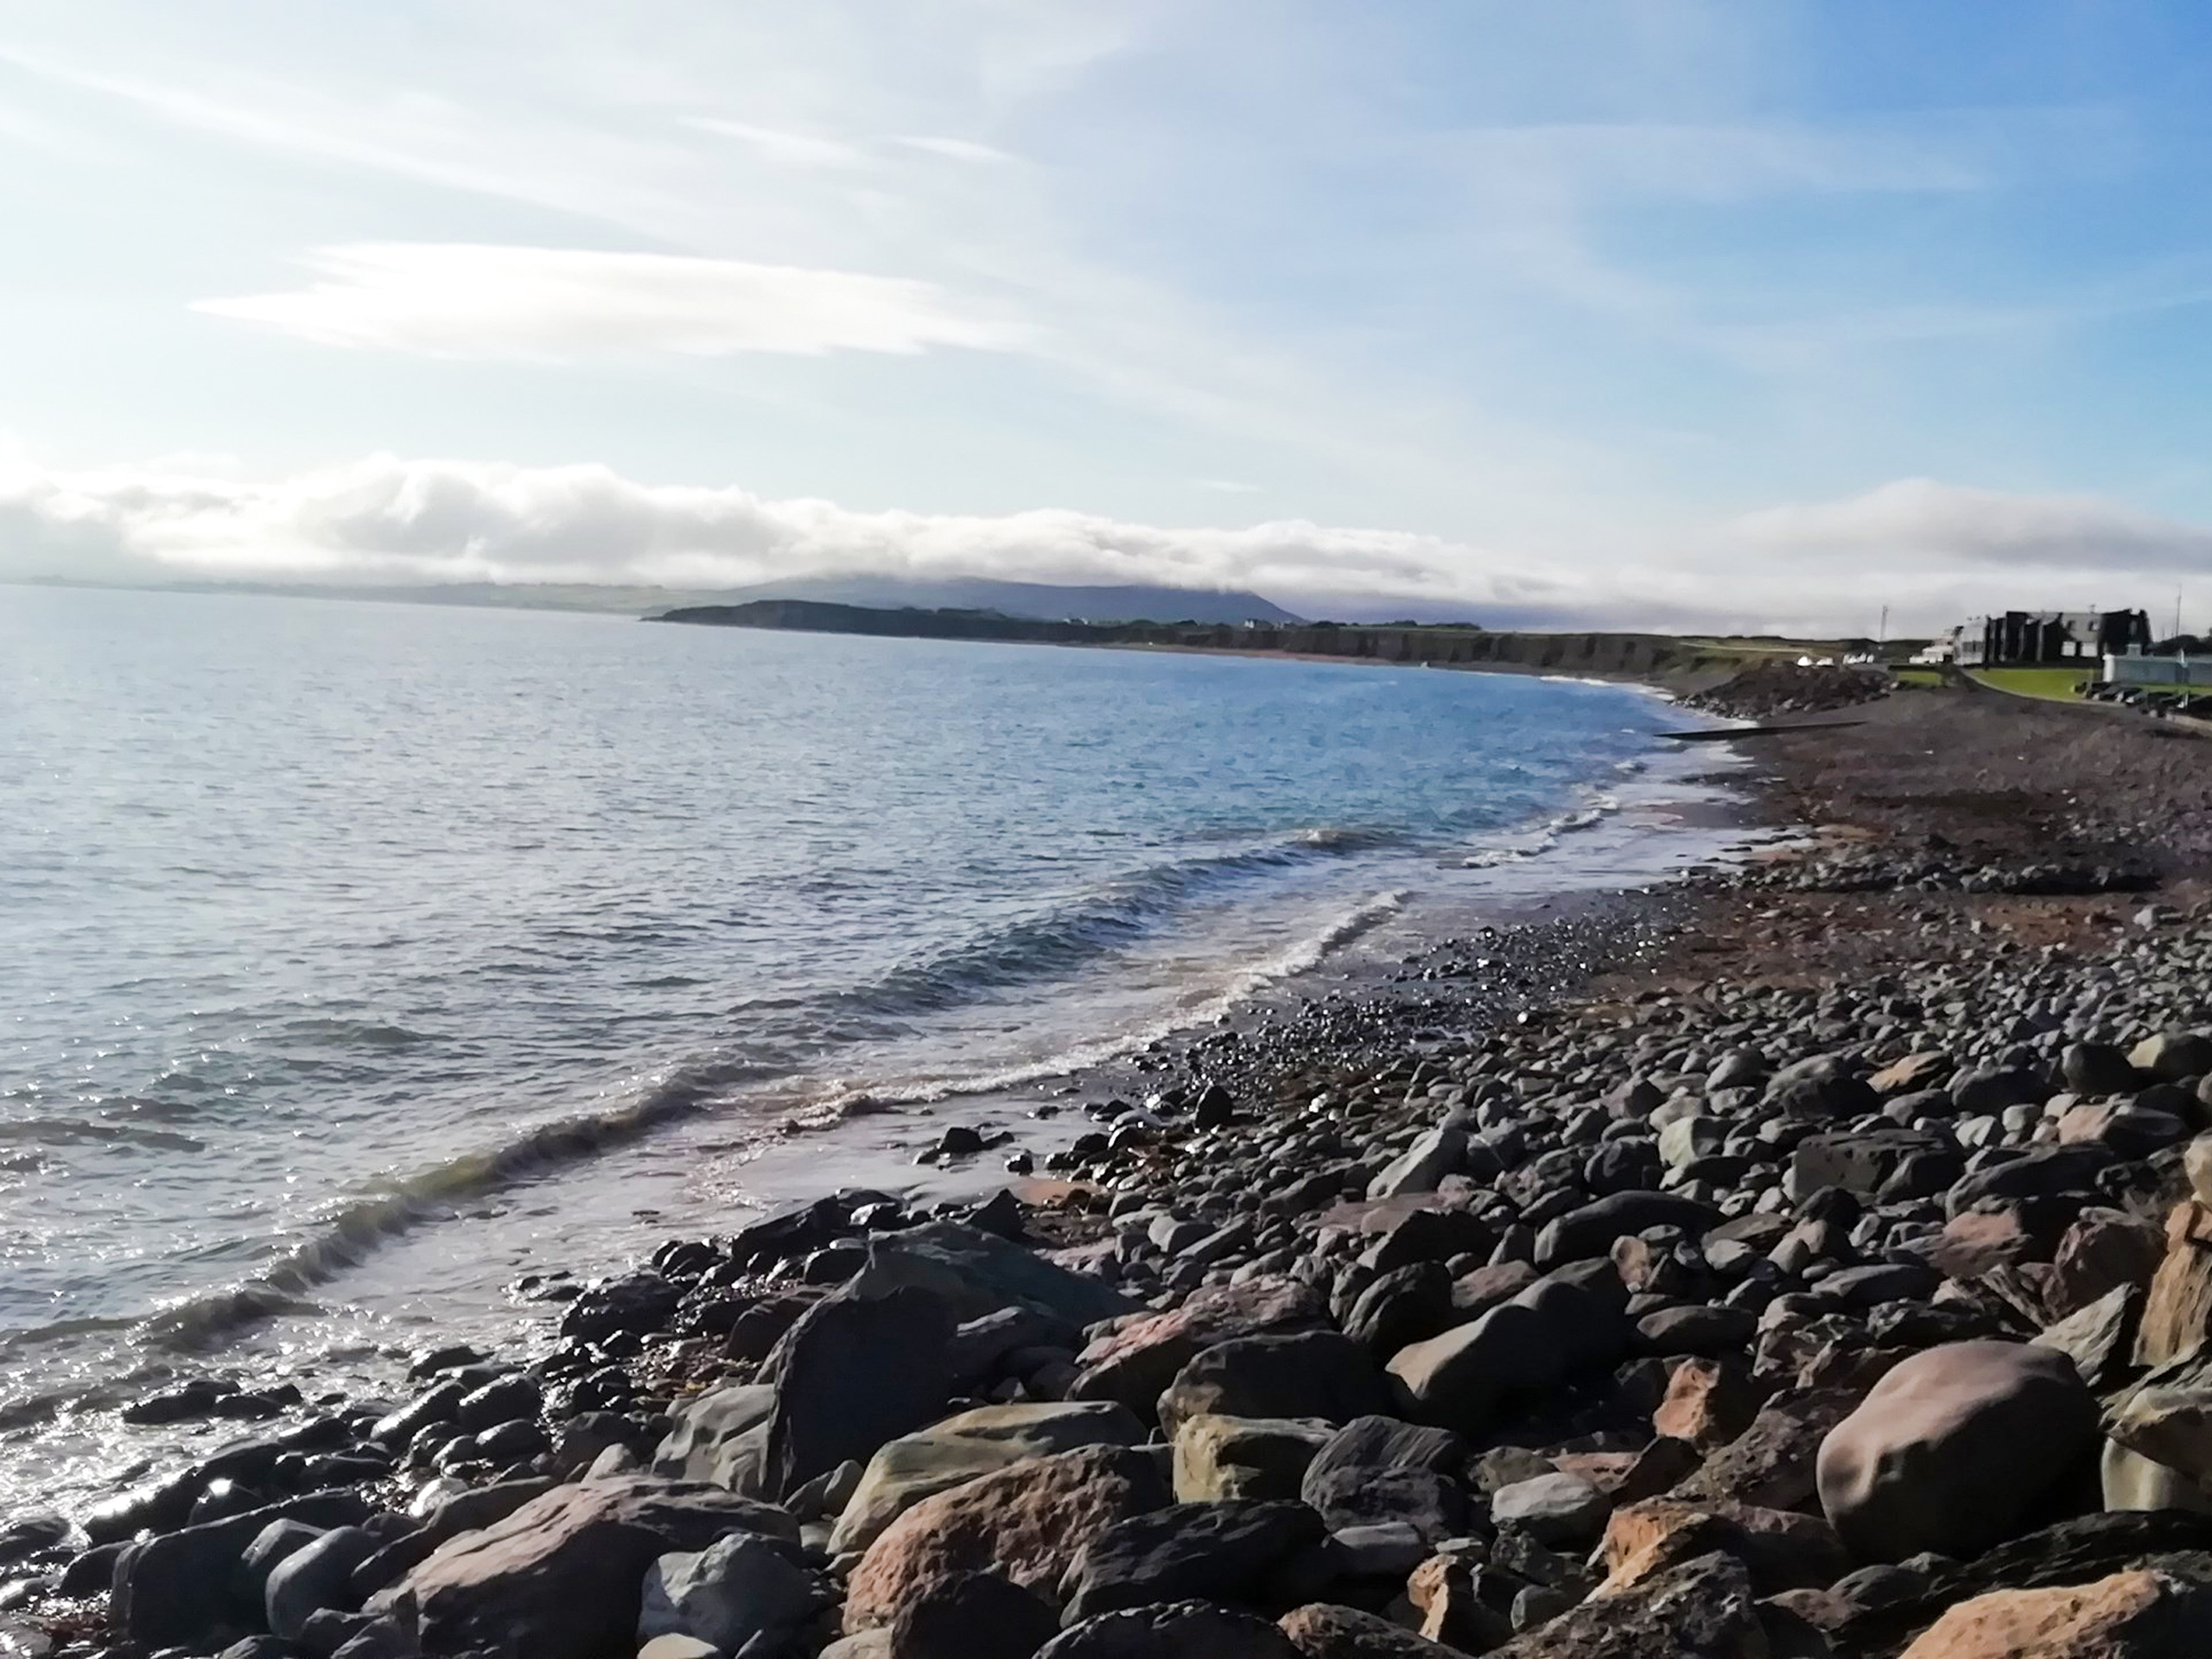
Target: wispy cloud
x,y
785,149
962,150
561,304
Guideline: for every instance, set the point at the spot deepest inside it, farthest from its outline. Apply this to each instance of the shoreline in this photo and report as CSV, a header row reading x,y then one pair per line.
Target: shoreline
x,y
1380,1195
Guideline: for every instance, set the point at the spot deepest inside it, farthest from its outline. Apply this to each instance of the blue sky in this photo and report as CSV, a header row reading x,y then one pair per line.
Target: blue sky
x,y
1740,313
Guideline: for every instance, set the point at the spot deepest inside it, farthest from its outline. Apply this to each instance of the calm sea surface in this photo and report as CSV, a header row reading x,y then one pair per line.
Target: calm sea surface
x,y
355,957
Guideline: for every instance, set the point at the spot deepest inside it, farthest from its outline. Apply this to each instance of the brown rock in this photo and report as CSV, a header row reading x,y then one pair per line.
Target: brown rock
x,y
2178,1313
1932,1460
1026,1522
1981,1241
1770,1465
561,1577
1442,1589
2137,1614
1709,1402
1137,1363
1322,1630
1705,1607
1780,1549
2103,1250
1925,1070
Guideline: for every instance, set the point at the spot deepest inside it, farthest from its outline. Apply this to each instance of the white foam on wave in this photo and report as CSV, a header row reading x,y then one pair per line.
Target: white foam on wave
x,y
1299,957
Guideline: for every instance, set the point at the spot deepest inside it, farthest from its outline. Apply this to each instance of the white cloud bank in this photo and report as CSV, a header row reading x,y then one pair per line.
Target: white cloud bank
x,y
468,300
1933,553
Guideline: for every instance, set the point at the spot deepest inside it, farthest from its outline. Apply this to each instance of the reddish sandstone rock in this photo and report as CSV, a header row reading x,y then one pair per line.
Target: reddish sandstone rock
x,y
1442,1590
1770,1465
2137,1614
1709,1402
1933,1458
1026,1523
2178,1313
1137,1361
2103,1250
1780,1549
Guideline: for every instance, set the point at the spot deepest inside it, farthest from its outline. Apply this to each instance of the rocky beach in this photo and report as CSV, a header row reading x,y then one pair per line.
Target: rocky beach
x,y
1813,1257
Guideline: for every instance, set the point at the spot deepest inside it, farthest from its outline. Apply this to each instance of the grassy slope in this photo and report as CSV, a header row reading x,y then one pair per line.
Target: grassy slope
x,y
2058,684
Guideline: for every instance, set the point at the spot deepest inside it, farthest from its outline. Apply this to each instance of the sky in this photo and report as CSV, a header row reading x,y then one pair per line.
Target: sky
x,y
1757,313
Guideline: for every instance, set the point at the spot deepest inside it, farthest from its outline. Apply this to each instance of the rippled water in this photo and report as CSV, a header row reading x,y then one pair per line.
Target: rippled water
x,y
353,952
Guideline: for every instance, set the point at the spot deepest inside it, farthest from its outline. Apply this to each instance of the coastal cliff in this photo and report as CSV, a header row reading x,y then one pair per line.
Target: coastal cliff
x,y
1611,656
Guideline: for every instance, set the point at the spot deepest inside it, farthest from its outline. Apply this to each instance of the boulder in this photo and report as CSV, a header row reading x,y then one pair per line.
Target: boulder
x,y
2177,1310
1930,1460
2137,1614
1458,1380
972,1615
720,1437
967,1445
2097,1069
2173,1055
314,1577
1705,1607
1588,1232
1141,1357
2102,1250
1181,1630
1770,1464
2125,1130
176,1587
2131,1481
561,1578
1316,1374
854,1372
1026,1522
1423,1165
1922,1068
975,1272
1564,1512
1377,1469
1860,1161
739,1589
1708,1402
1227,1552
1322,1630
1219,1458
2099,1338
1407,1305
1781,1549
2050,1172
2169,1422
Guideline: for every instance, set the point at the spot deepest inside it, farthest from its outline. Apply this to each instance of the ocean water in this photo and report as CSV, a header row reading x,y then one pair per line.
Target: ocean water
x,y
356,957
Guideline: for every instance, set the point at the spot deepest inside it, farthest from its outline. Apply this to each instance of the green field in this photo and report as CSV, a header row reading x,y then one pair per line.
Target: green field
x,y
2060,684
1928,676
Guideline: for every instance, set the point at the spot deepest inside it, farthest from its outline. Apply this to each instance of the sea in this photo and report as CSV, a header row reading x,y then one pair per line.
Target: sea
x,y
359,961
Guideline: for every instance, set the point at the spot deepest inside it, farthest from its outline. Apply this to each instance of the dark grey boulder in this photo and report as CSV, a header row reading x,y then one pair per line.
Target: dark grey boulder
x,y
2039,1175
853,1374
1378,1469
1585,1233
1181,1630
2097,1069
1225,1552
177,1588
316,1577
